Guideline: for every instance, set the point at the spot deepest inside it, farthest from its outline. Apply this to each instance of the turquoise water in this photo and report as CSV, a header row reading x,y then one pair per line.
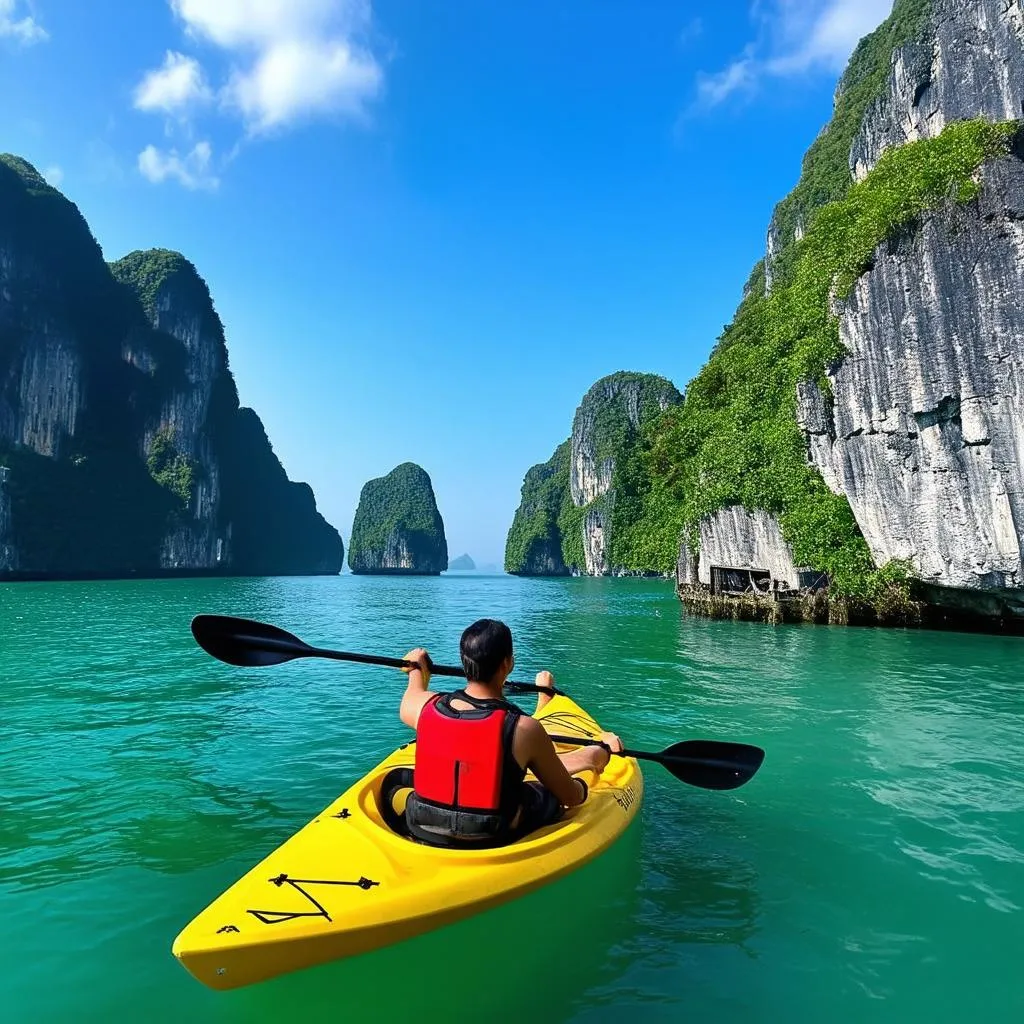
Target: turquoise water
x,y
873,871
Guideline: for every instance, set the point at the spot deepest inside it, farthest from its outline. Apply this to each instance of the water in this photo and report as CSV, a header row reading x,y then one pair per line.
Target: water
x,y
873,871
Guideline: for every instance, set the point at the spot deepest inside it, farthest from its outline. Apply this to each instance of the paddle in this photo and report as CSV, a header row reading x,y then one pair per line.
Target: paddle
x,y
251,644
709,764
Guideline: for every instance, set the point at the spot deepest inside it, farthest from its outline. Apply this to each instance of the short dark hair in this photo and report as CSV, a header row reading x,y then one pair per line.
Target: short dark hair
x,y
484,646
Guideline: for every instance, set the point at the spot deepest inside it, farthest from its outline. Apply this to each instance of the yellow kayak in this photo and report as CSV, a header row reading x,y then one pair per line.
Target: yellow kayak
x,y
347,884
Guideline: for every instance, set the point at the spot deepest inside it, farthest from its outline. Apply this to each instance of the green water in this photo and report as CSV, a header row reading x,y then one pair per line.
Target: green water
x,y
873,871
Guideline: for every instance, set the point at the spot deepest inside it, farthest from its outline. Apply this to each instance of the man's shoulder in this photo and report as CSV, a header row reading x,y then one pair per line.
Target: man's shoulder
x,y
530,729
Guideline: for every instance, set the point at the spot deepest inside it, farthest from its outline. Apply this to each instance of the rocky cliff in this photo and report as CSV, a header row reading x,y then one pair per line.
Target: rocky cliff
x,y
924,429
892,291
184,339
8,554
461,564
397,528
122,444
534,543
734,538
964,61
578,510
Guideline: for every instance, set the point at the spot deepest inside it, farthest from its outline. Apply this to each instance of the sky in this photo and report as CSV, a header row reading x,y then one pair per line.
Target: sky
x,y
430,227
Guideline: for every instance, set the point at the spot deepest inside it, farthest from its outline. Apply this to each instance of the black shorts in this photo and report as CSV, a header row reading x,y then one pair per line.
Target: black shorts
x,y
540,808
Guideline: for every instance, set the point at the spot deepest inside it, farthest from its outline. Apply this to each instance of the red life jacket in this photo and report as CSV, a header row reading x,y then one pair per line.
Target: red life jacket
x,y
467,784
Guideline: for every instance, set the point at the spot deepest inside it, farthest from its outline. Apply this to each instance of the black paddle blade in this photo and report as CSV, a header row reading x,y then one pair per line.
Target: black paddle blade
x,y
713,764
245,642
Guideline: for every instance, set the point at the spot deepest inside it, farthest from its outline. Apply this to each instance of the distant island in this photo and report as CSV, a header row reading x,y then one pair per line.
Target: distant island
x,y
461,564
397,528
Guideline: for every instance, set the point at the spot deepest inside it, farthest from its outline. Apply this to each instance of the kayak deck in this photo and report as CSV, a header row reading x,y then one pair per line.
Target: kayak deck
x,y
346,884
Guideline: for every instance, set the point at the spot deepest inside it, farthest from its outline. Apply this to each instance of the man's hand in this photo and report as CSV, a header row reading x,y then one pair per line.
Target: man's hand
x,y
422,659
545,679
600,756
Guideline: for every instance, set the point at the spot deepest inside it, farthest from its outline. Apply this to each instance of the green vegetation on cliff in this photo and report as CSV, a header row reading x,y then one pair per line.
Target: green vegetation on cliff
x,y
826,167
534,541
147,272
395,511
171,470
736,439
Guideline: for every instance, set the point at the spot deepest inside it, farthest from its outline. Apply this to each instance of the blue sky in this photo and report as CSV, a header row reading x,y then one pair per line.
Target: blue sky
x,y
430,227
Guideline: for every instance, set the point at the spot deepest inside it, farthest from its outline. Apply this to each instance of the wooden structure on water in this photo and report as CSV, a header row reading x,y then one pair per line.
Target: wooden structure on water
x,y
737,581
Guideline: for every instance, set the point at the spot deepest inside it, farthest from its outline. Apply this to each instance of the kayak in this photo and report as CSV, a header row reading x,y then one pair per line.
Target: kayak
x,y
346,883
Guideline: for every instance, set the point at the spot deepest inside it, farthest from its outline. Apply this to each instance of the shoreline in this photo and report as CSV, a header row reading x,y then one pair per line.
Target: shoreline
x,y
819,610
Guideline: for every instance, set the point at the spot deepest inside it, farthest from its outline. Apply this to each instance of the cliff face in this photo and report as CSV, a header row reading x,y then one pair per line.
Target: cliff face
x,y
734,538
605,432
925,433
273,523
119,419
967,65
8,554
397,527
42,340
534,543
576,510
888,333
181,433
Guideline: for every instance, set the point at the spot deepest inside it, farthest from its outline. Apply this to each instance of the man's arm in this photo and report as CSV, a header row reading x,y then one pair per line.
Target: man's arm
x,y
555,771
417,690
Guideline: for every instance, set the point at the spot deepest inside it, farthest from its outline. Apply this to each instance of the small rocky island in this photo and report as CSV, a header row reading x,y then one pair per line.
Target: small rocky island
x,y
398,529
461,564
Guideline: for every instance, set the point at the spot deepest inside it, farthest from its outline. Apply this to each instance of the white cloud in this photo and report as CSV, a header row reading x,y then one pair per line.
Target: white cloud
x,y
25,29
716,88
294,59
176,86
54,175
191,170
832,35
238,23
793,37
284,62
300,78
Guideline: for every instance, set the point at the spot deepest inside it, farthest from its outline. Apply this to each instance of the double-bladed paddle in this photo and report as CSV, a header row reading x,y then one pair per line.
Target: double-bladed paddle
x,y
708,764
252,644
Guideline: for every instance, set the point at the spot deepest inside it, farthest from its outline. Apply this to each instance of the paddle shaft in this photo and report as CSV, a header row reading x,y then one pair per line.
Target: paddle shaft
x,y
265,643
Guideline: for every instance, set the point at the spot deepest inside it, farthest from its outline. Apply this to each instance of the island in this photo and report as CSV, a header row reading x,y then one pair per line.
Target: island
x,y
397,528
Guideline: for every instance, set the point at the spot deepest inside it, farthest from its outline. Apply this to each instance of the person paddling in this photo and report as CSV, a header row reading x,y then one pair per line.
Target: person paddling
x,y
473,749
